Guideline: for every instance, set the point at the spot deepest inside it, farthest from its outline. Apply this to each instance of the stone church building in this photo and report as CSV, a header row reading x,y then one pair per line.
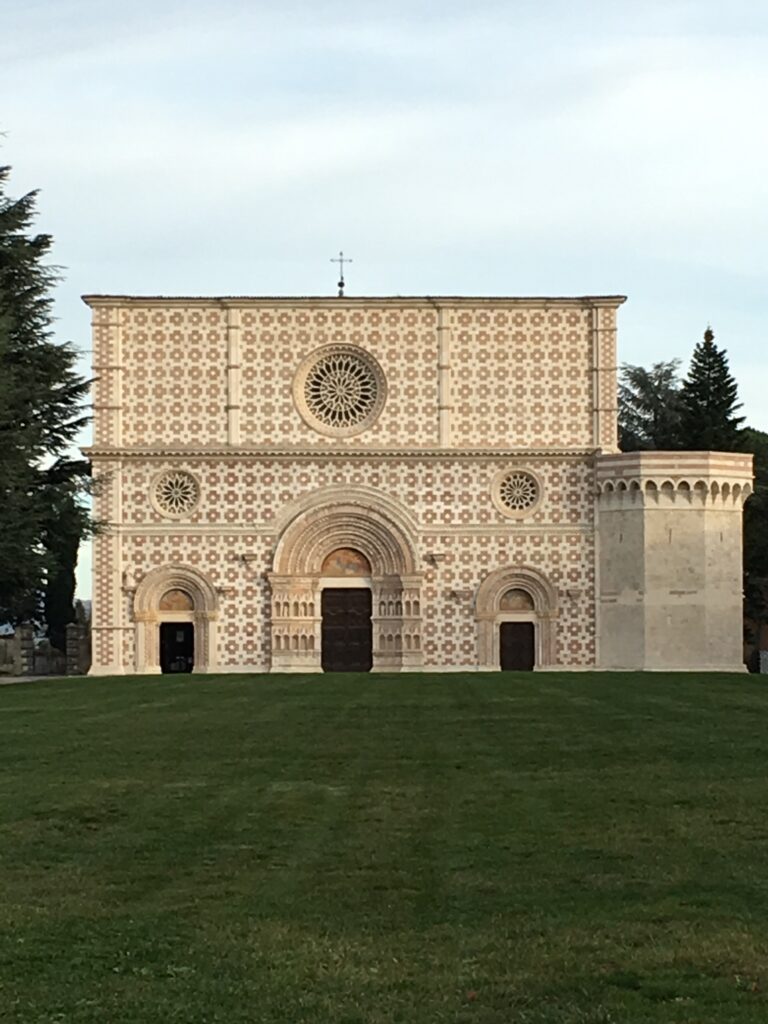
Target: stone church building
x,y
395,484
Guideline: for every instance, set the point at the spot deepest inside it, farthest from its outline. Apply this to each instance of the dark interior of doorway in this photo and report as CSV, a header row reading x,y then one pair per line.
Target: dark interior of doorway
x,y
347,633
177,646
517,647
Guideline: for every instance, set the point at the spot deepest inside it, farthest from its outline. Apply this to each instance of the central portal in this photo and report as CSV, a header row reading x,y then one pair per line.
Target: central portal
x,y
347,633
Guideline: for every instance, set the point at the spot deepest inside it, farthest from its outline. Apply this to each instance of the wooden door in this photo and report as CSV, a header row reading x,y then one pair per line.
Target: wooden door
x,y
517,647
177,646
347,633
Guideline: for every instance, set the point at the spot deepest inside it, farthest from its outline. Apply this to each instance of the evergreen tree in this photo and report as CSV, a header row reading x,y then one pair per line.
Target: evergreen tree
x,y
67,524
649,406
41,412
708,401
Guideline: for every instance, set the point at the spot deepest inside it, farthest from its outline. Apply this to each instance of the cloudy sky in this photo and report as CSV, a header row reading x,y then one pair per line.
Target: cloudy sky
x,y
494,148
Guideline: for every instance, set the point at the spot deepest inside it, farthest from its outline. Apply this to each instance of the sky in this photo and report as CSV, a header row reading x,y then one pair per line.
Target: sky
x,y
532,147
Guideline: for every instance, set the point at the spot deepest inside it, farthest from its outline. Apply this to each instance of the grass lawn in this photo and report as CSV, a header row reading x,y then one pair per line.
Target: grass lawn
x,y
574,849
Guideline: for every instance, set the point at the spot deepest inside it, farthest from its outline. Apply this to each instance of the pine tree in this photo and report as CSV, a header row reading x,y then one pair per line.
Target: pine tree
x,y
709,400
649,406
41,412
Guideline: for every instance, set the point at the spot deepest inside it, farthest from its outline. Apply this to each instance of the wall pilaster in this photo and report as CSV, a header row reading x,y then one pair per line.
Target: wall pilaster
x,y
604,379
234,340
444,379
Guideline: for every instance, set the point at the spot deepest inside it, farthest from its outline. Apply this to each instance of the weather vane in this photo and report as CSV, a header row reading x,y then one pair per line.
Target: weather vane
x,y
341,259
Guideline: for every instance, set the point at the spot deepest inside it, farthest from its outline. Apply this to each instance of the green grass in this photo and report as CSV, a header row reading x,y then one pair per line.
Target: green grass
x,y
360,850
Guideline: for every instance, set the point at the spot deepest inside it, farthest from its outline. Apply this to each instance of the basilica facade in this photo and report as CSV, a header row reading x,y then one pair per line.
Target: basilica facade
x,y
393,485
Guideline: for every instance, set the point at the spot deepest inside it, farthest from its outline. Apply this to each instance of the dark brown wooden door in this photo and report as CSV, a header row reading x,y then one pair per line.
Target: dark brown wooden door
x,y
347,636
177,646
517,647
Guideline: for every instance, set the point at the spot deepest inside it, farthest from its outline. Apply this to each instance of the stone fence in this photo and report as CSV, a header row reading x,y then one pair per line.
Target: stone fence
x,y
78,649
17,652
20,655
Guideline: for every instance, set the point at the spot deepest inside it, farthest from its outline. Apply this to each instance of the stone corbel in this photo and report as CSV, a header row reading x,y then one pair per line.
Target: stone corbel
x,y
435,557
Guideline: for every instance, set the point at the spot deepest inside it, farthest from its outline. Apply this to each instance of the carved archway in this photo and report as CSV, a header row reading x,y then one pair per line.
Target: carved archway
x,y
515,594
383,540
153,603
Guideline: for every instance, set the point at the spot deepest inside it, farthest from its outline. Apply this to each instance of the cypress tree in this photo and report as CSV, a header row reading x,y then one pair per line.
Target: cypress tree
x,y
41,412
66,526
708,401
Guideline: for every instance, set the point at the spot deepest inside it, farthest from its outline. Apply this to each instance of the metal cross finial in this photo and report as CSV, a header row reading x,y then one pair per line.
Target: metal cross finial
x,y
341,259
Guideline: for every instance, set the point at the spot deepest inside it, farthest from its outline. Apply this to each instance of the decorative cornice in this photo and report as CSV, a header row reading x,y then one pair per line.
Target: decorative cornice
x,y
687,479
673,464
287,452
355,302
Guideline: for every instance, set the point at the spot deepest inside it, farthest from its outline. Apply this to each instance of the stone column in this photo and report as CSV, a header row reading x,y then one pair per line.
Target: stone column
x,y
147,643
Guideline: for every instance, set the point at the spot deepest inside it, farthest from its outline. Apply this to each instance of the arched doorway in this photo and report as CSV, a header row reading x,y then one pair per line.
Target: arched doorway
x,y
515,609
175,609
357,544
177,632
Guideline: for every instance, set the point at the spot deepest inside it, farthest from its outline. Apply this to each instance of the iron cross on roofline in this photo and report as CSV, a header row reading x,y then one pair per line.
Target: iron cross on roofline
x,y
341,259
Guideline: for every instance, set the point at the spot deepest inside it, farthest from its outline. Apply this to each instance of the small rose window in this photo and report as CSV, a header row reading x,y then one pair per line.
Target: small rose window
x,y
516,492
176,493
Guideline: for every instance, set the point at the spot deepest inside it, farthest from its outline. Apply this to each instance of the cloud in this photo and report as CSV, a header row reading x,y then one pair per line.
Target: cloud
x,y
542,146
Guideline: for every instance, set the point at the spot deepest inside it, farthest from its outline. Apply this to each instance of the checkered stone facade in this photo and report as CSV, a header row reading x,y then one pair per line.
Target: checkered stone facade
x,y
475,389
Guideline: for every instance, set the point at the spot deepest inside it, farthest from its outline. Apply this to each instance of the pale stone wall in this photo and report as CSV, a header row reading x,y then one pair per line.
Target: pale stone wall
x,y
533,376
670,574
475,389
488,373
247,505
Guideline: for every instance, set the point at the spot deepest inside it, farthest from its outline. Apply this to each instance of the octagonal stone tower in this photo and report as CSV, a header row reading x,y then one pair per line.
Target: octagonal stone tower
x,y
670,570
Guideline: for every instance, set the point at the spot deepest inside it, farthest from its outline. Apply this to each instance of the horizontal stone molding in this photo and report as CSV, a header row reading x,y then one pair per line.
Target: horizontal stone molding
x,y
266,531
325,451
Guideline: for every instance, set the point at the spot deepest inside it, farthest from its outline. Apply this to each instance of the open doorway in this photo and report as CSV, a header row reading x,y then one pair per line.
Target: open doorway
x,y
177,646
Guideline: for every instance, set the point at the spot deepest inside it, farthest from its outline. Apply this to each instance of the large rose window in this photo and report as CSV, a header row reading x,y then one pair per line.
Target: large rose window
x,y
339,390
